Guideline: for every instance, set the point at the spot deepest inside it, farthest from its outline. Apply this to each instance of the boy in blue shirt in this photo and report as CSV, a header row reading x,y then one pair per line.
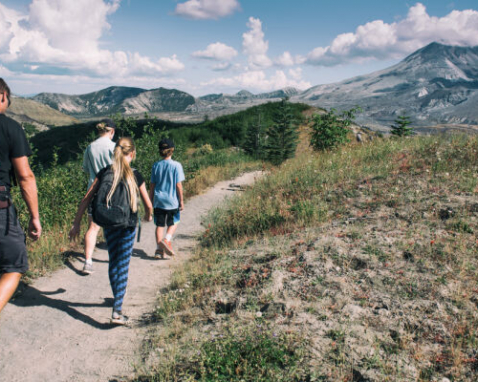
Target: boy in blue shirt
x,y
166,191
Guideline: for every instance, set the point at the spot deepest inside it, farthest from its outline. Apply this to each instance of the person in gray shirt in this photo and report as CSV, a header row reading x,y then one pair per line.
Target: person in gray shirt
x,y
97,156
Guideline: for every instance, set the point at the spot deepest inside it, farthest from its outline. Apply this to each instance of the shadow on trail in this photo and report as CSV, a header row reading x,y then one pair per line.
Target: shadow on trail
x,y
34,297
80,258
143,255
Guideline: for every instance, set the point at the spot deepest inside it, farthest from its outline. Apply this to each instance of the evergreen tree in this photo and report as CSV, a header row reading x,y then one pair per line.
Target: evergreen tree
x,y
401,127
282,135
330,130
254,141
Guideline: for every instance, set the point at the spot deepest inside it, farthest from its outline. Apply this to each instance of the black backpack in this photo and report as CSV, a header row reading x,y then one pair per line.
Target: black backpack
x,y
118,213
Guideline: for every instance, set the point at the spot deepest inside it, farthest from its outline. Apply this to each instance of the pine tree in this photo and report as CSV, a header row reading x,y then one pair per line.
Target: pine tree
x,y
282,135
330,130
401,127
254,141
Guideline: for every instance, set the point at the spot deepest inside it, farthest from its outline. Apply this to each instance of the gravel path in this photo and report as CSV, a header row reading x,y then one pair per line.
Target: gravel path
x,y
58,329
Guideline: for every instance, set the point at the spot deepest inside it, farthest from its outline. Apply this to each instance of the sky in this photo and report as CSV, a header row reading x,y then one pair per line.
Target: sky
x,y
216,46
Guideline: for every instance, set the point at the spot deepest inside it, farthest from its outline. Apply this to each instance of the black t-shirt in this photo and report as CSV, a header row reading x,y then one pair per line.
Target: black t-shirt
x,y
13,144
139,178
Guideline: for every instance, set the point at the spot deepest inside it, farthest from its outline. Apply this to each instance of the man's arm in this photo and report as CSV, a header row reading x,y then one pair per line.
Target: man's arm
x,y
28,186
151,191
179,190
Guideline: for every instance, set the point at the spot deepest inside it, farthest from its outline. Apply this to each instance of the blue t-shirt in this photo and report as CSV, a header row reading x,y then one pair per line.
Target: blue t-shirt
x,y
166,174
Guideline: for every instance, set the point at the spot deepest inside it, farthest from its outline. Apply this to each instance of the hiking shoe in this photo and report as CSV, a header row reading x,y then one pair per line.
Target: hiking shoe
x,y
87,269
167,248
118,318
159,254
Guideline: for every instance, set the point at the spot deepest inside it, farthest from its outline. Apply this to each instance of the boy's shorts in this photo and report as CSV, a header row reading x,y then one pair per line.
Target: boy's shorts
x,y
166,218
13,251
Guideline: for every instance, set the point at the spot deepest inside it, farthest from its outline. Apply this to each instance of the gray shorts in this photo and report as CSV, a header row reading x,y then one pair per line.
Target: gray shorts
x,y
13,250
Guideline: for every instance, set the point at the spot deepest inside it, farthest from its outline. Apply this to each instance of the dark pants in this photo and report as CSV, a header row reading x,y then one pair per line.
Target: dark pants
x,y
13,251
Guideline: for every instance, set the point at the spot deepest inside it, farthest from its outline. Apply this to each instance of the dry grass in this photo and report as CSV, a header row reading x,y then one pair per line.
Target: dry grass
x,y
367,256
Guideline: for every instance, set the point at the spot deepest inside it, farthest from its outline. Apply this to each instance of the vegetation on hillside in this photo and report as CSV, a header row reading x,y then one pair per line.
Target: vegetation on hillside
x,y
357,264
402,127
208,152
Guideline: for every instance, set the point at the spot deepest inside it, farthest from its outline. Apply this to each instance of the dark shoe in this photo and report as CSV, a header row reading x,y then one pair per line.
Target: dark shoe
x,y
159,254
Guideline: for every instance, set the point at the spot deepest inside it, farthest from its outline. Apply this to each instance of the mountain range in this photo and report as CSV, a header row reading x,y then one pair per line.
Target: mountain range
x,y
437,84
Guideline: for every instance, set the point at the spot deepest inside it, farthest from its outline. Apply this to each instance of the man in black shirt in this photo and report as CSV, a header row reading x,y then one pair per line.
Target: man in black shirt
x,y
14,153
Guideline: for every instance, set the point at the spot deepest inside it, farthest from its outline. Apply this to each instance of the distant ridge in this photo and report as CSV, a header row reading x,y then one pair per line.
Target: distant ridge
x,y
118,99
25,110
437,84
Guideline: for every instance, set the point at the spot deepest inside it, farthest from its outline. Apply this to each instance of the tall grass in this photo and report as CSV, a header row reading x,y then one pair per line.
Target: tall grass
x,y
298,193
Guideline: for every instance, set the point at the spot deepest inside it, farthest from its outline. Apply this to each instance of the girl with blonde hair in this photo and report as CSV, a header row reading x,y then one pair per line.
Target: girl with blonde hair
x,y
119,240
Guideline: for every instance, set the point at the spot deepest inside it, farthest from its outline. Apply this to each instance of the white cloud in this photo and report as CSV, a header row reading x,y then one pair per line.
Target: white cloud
x,y
217,51
31,83
254,45
285,59
66,34
257,80
207,9
380,40
222,66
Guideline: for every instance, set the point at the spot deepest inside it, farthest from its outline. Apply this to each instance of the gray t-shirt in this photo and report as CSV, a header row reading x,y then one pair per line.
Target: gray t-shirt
x,y
97,156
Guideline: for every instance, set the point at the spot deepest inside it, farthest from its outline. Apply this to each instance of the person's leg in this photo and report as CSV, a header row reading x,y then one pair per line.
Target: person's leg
x,y
90,239
8,286
120,247
159,234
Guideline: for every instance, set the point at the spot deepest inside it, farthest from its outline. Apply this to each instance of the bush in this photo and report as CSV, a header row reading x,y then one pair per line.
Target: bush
x,y
330,130
401,127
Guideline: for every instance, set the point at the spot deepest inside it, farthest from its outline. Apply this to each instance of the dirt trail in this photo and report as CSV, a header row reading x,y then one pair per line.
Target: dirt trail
x,y
58,329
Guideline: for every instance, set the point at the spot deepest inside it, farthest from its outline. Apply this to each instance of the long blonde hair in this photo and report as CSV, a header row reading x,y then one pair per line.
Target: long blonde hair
x,y
123,172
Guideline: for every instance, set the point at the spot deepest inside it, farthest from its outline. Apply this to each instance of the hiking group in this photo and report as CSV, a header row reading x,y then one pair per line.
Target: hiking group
x,y
111,199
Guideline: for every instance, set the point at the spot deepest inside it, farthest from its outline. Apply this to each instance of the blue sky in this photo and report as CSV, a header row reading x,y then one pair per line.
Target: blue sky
x,y
216,46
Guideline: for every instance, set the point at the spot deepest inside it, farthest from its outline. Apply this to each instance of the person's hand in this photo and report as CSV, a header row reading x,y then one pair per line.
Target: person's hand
x,y
181,207
148,216
34,228
74,232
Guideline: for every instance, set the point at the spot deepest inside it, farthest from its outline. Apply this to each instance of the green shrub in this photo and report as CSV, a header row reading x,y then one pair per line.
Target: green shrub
x,y
401,127
330,130
253,354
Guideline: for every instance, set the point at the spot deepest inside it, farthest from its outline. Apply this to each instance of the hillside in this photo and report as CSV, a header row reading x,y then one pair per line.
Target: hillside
x,y
437,84
116,99
353,265
41,116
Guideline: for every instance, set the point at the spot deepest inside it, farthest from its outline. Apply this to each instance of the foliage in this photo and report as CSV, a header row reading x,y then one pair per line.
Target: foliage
x,y
220,133
253,354
254,140
401,127
282,135
330,130
30,129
